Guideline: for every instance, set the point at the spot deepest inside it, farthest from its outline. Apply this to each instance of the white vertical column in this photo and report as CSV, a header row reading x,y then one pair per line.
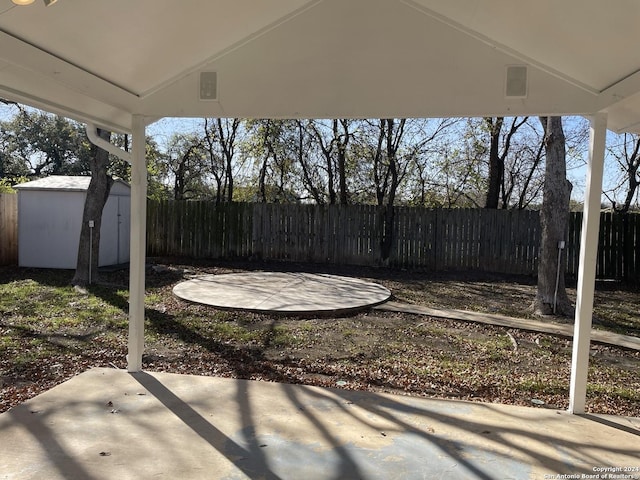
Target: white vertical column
x,y
138,244
587,270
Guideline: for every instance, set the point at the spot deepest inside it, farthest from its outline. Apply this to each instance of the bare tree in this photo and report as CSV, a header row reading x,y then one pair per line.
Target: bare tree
x,y
498,151
387,173
551,296
326,147
626,155
222,141
524,180
332,138
447,170
268,153
389,151
383,145
185,166
313,177
96,198
342,137
273,146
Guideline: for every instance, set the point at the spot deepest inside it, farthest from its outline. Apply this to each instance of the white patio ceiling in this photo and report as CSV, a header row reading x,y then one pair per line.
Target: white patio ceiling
x,y
103,61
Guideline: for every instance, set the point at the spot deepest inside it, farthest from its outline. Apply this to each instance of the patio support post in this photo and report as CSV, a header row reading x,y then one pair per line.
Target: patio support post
x,y
138,244
587,269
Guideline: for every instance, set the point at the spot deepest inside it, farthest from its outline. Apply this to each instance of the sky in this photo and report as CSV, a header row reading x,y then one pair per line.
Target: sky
x,y
163,129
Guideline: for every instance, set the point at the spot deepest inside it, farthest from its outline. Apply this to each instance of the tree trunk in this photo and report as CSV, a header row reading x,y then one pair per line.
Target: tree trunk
x,y
227,139
97,194
393,137
632,166
387,216
496,164
343,142
552,298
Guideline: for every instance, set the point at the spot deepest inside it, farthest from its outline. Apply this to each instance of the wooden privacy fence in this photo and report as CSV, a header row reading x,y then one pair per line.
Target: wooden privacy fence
x,y
8,229
504,241
619,246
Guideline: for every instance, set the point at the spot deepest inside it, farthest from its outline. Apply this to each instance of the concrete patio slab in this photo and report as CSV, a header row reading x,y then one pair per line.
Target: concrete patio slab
x,y
109,424
290,292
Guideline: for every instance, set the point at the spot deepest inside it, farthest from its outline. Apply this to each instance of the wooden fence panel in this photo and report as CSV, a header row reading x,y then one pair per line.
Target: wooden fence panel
x,y
156,229
8,229
487,241
318,241
604,245
331,232
633,247
572,247
505,241
525,228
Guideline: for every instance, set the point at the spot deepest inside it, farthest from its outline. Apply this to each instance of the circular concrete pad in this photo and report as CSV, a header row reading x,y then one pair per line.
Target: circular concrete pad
x,y
282,292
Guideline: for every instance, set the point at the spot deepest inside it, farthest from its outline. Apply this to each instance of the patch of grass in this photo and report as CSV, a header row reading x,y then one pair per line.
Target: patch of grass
x,y
306,327
64,323
152,298
281,336
455,366
22,360
430,330
617,311
7,342
349,332
541,386
609,391
230,332
221,316
496,348
61,305
29,298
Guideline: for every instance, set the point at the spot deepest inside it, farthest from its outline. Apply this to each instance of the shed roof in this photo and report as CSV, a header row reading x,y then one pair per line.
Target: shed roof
x,y
61,183
104,62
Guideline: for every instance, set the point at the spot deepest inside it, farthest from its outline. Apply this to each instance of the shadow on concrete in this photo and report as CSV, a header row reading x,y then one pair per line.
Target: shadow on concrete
x,y
60,458
562,455
250,461
210,427
616,423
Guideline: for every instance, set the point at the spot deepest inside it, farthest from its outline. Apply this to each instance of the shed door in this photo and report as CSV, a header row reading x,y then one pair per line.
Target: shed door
x,y
114,233
124,215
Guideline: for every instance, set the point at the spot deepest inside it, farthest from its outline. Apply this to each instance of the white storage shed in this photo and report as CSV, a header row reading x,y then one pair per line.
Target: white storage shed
x,y
50,217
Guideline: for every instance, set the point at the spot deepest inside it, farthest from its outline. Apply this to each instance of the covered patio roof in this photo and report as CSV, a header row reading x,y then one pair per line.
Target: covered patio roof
x,y
106,61
123,64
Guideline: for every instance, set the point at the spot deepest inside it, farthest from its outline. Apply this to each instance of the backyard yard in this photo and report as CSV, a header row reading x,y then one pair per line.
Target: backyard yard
x,y
50,331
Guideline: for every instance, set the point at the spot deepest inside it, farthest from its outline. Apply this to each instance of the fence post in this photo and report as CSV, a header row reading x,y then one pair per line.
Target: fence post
x,y
8,229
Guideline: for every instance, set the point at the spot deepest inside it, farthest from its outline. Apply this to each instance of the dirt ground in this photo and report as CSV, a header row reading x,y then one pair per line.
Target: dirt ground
x,y
370,350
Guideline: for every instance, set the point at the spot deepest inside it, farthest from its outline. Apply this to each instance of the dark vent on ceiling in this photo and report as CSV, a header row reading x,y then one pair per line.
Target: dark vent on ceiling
x,y
208,85
516,82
